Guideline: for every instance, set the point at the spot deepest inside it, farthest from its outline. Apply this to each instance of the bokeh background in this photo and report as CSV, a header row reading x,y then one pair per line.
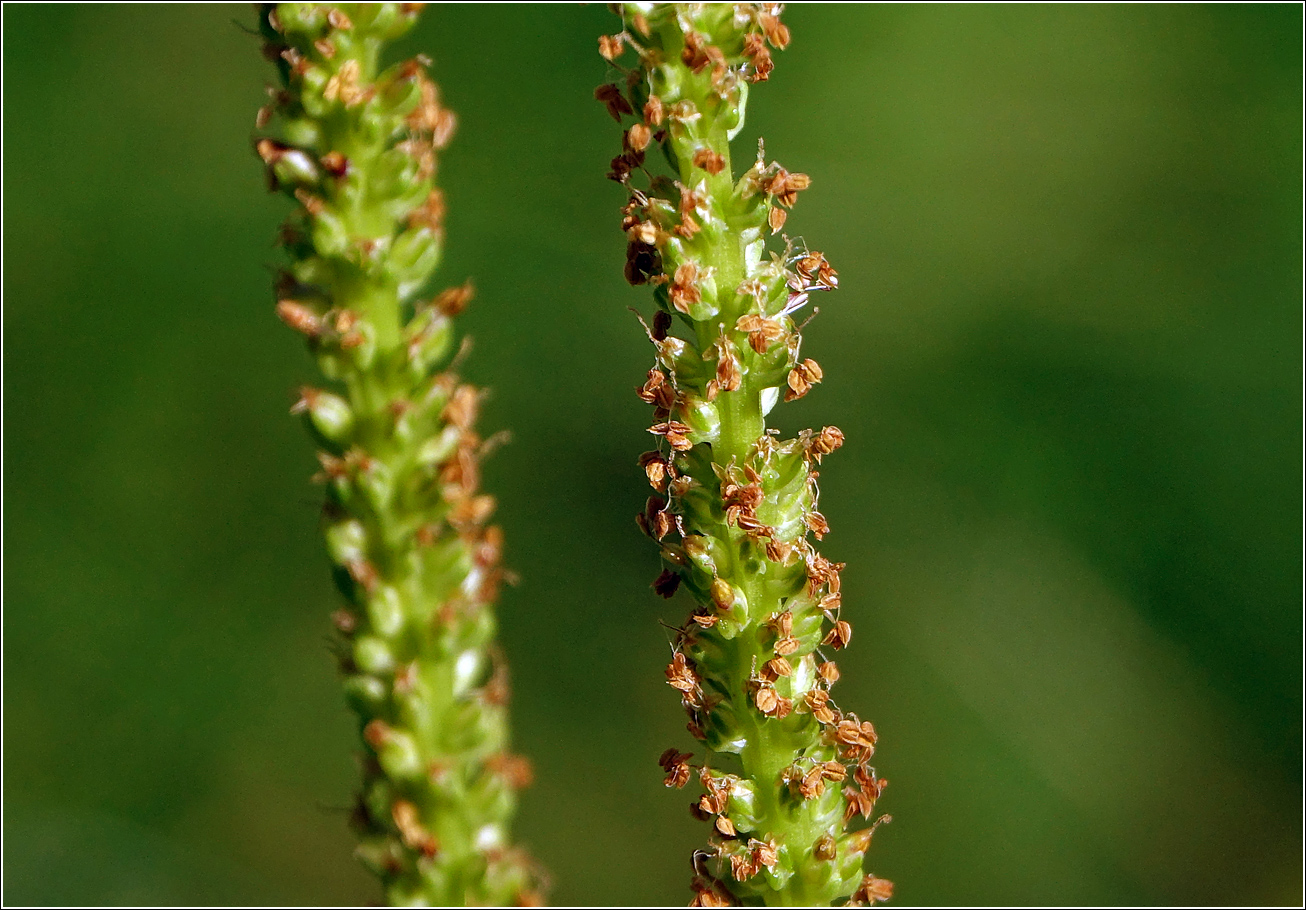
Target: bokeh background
x,y
1066,353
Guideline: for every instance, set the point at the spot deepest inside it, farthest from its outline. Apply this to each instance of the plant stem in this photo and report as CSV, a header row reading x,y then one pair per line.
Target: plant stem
x,y
404,524
786,771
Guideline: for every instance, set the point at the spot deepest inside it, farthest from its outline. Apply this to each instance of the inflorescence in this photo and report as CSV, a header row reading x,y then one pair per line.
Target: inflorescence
x,y
786,771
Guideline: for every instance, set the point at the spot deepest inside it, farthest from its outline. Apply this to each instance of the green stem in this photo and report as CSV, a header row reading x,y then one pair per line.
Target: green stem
x,y
785,770
405,525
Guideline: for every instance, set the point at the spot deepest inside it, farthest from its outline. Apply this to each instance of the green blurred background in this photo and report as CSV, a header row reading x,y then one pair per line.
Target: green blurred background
x,y
1066,354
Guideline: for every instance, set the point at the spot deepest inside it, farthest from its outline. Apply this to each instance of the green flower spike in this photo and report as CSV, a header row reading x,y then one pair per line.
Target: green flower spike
x,y
786,771
405,527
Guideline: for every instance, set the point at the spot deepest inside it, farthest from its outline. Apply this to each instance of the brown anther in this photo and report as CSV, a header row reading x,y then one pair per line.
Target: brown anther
x,y
344,621
695,53
619,169
654,112
661,325
462,407
680,675
778,550
742,867
776,218
376,733
491,545
776,31
831,603
683,111
270,150
873,889
813,267
718,793
766,698
325,48
656,468
343,86
430,214
452,301
840,635
786,646
312,204
725,826
645,232
818,701
672,757
295,60
858,803
801,379
613,100
335,164
299,317
779,666
765,853
834,771
666,582
363,573
785,186
406,678
687,228
643,263
709,892
675,432
707,621
339,20
611,46
684,291
471,512
498,688
762,331
709,161
648,392
762,64
817,524
414,835
825,442
637,137
655,515
729,376
811,786
515,769
809,264
848,733
829,672
676,764
824,849
782,624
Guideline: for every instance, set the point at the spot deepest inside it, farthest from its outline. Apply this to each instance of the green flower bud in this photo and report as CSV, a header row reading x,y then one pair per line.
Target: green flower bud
x,y
328,417
365,694
346,542
373,655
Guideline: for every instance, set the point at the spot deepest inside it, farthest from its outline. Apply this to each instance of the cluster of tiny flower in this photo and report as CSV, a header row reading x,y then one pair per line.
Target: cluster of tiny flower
x,y
405,525
733,506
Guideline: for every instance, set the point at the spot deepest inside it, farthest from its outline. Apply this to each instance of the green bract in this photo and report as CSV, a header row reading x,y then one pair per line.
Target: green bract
x,y
786,771
404,525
